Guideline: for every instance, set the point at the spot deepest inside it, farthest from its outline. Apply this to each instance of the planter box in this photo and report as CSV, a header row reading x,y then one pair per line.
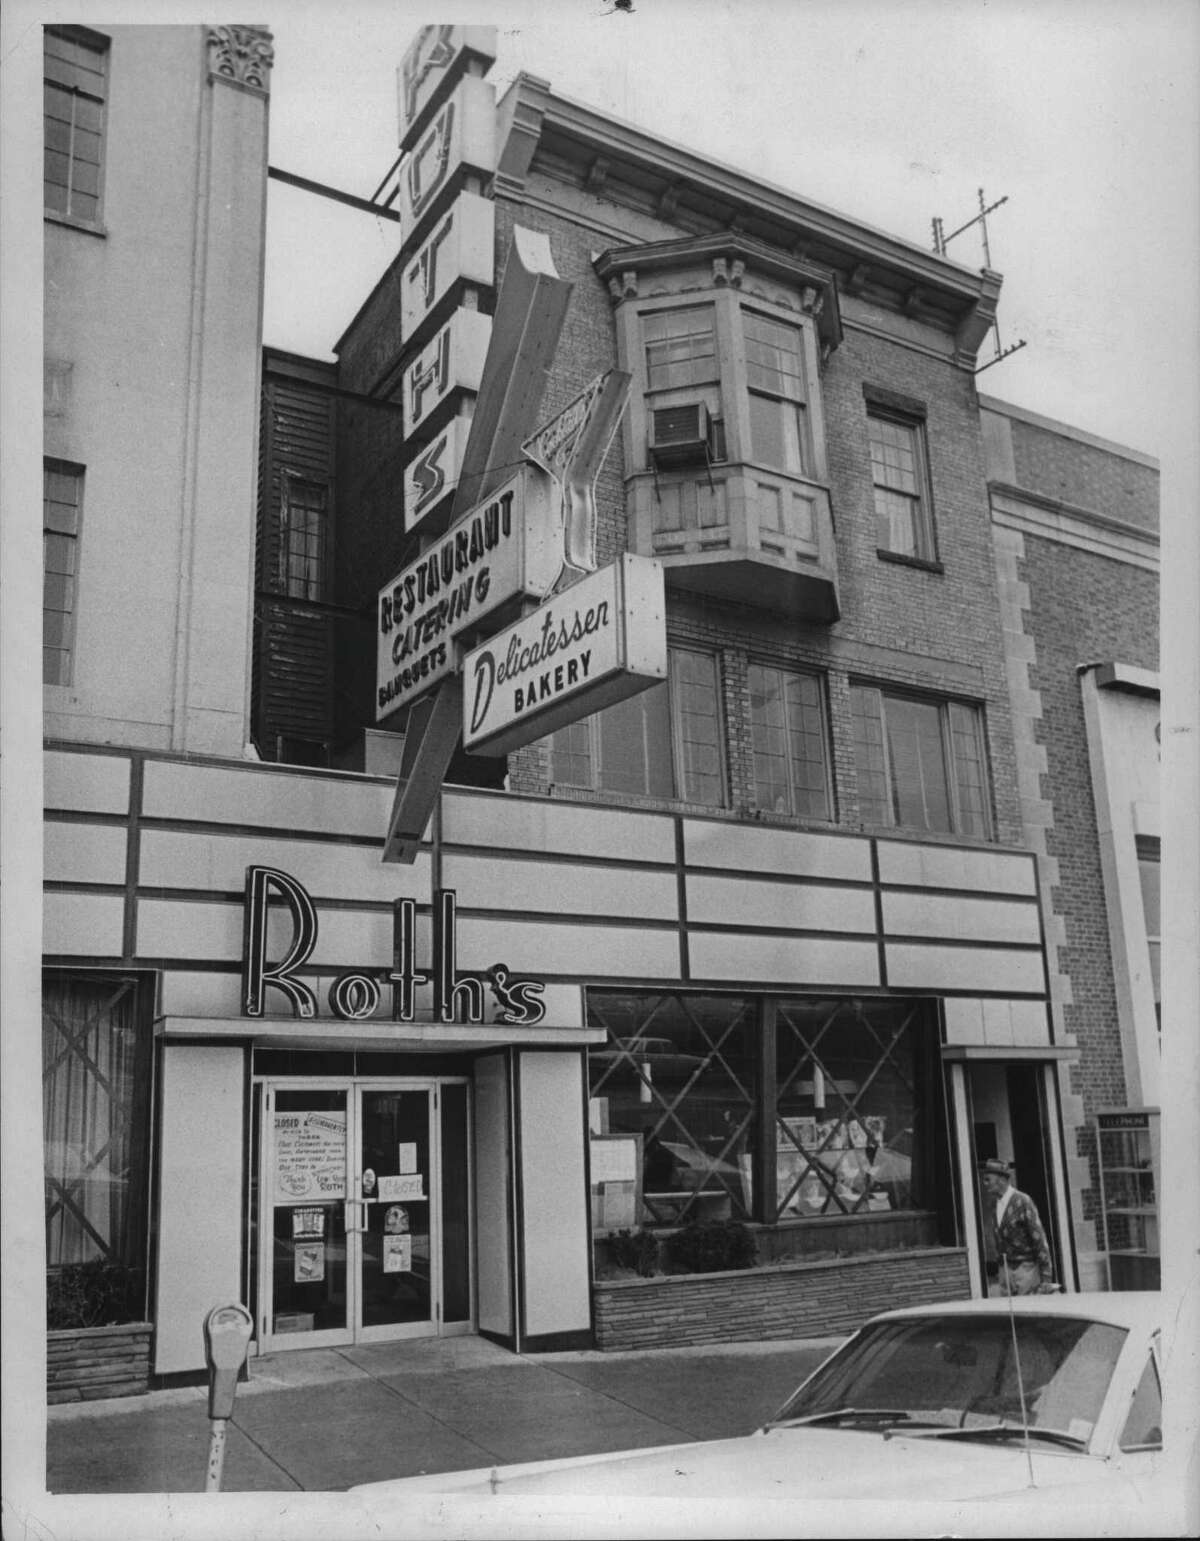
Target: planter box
x,y
793,1300
86,1363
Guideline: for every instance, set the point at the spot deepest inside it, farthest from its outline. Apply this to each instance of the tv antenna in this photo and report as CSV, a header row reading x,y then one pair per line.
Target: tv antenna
x,y
941,240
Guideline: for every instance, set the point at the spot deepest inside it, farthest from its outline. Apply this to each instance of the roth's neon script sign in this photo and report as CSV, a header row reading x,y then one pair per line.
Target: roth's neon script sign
x,y
357,993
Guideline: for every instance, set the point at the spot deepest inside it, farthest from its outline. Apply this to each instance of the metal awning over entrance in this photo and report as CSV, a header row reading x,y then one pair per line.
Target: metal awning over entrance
x,y
380,1034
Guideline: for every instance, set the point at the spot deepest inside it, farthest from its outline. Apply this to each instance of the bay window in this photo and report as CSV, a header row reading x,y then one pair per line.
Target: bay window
x,y
921,762
666,742
775,386
681,347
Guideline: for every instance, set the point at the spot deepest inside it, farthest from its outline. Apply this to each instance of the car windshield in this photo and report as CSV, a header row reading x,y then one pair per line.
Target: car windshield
x,y
960,1373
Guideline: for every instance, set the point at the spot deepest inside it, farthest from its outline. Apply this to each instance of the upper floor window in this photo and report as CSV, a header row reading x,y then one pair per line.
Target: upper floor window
x,y
681,347
304,518
791,761
903,513
62,501
921,762
666,742
75,70
775,385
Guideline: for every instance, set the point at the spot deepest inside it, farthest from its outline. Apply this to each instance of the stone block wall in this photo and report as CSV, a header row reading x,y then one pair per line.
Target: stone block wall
x,y
799,1300
85,1365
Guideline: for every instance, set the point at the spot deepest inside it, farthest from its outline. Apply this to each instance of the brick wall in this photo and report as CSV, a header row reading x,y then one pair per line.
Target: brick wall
x,y
800,1300
1085,475
924,619
1083,608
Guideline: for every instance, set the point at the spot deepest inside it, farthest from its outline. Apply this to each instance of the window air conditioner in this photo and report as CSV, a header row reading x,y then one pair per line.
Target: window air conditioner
x,y
679,435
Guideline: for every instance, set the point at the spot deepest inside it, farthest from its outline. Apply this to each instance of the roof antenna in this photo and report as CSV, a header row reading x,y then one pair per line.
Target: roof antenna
x,y
941,240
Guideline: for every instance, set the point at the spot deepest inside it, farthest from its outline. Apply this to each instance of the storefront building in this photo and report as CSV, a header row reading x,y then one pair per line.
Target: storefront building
x,y
1077,559
765,943
740,999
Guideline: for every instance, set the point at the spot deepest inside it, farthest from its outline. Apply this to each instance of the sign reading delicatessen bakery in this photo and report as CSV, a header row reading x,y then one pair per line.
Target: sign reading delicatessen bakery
x,y
587,647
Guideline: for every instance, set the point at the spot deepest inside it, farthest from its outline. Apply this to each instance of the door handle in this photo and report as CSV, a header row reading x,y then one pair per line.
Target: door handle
x,y
350,1205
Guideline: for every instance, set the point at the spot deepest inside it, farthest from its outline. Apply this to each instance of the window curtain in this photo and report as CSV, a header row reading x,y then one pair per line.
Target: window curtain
x,y
96,1103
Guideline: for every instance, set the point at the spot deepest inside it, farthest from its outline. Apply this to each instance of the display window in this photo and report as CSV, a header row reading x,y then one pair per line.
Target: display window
x,y
765,1109
96,1085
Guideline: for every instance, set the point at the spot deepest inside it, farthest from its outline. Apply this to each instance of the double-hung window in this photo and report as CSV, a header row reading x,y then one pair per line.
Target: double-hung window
x,y
682,368
302,537
62,500
775,383
75,72
665,742
791,760
921,762
681,347
899,472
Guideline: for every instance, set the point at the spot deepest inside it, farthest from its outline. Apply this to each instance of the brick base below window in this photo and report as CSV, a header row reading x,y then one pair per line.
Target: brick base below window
x,y
799,1300
94,1362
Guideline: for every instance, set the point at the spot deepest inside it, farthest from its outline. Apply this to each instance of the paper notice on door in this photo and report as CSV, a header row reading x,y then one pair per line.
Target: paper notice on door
x,y
410,1185
407,1159
310,1156
397,1254
309,1263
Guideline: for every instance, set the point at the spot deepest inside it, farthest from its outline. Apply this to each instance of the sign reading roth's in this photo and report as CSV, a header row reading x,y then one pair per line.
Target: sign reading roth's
x,y
506,548
594,644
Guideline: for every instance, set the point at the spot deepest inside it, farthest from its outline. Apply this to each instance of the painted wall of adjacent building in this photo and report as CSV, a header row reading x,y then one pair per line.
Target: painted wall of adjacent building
x,y
1075,534
152,343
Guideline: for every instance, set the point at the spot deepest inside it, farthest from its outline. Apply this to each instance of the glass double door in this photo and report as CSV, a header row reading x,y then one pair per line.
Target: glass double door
x,y
364,1228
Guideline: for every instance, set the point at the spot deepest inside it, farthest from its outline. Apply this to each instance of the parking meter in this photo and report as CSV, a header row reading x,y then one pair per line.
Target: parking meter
x,y
227,1332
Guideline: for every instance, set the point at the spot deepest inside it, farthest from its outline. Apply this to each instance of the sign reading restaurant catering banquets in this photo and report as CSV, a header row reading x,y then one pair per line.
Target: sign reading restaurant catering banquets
x,y
504,549
587,647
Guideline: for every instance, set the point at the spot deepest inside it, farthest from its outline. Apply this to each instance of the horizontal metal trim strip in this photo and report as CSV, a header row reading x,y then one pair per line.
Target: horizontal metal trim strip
x,y
987,895
83,816
262,832
782,879
841,990
563,858
67,886
562,918
971,942
237,896
218,762
784,933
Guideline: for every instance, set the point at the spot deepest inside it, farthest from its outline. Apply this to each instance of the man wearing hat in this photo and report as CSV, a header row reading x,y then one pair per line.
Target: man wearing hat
x,y
1022,1250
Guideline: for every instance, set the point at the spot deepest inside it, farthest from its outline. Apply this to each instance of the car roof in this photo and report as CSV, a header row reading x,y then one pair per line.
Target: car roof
x,y
1131,1308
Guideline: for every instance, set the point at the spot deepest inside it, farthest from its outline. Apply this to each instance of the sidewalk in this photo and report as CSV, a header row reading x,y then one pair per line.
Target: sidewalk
x,y
329,1418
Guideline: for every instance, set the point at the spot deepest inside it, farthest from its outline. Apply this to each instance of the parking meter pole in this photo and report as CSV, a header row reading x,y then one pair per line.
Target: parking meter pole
x,y
216,1455
227,1332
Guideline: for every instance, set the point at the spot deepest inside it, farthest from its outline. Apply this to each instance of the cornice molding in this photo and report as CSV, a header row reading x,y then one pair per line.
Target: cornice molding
x,y
730,255
242,56
1049,519
680,169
